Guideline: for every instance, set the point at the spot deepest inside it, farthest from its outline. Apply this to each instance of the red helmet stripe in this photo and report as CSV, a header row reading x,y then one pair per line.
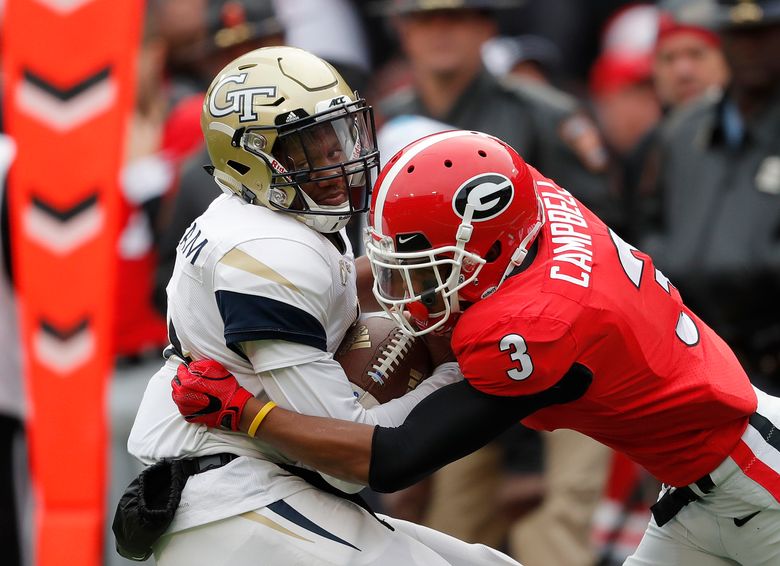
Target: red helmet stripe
x,y
409,153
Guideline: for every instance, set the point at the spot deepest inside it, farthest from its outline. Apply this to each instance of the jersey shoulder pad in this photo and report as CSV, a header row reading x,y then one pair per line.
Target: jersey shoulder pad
x,y
263,265
515,356
274,289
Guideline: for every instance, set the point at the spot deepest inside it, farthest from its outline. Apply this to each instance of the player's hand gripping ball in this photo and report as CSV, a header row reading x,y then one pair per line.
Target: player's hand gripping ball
x,y
380,361
206,393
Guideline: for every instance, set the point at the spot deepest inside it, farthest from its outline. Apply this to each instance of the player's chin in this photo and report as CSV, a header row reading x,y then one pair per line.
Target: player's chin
x,y
334,202
334,195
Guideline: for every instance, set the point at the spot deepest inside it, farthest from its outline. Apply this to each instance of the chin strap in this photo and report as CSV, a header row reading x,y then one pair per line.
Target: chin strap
x,y
521,251
462,237
227,183
324,223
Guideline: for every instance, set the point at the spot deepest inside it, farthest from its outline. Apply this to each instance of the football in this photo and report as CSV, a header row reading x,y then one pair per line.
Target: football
x,y
381,362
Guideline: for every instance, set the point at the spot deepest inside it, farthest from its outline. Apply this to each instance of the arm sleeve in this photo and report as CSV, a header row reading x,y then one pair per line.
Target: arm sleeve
x,y
453,422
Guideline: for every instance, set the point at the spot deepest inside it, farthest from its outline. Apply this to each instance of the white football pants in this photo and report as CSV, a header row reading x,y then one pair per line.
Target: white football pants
x,y
718,529
312,528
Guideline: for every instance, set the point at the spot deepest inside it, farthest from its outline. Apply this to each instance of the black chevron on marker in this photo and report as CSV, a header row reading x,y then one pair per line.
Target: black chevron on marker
x,y
64,333
63,215
65,94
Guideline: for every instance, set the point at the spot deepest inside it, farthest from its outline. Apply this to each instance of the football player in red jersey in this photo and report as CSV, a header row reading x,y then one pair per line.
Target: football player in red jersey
x,y
555,321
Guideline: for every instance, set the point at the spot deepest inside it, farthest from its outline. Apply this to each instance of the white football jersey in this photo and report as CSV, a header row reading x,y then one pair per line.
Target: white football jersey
x,y
246,273
271,300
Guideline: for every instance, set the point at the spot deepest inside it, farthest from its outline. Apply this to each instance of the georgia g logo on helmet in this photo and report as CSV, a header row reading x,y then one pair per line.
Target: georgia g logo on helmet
x,y
238,100
488,193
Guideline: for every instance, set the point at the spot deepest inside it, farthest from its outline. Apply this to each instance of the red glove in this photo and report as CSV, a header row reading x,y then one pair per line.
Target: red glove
x,y
207,393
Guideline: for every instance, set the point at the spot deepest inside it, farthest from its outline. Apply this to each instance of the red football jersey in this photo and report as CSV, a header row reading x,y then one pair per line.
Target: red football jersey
x,y
666,391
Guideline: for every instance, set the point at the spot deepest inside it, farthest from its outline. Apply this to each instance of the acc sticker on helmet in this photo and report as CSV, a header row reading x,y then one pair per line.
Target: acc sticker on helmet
x,y
489,194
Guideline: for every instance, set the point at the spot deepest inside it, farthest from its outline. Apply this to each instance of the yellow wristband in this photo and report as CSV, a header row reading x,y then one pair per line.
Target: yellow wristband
x,y
261,414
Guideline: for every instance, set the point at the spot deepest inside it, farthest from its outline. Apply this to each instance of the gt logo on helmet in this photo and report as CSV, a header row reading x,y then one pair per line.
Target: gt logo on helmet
x,y
240,100
489,194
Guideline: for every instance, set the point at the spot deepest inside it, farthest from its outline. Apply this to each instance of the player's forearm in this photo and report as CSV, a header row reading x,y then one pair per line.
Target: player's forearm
x,y
338,448
434,434
448,424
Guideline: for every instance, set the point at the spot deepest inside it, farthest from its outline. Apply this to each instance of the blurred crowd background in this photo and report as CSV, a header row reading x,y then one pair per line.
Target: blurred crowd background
x,y
662,117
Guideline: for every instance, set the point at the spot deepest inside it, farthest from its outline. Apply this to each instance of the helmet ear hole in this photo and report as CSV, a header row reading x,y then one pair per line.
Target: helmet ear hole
x,y
494,252
239,167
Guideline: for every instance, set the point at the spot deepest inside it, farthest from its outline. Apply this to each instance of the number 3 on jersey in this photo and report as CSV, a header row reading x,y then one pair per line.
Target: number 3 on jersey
x,y
518,353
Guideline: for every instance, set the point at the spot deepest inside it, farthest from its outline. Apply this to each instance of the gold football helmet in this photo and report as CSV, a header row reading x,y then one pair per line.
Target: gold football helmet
x,y
284,131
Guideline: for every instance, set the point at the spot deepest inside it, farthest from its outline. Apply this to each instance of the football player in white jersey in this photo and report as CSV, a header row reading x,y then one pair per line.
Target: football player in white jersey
x,y
265,284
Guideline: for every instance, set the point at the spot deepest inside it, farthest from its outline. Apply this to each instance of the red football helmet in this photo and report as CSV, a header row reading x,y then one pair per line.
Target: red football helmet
x,y
451,215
